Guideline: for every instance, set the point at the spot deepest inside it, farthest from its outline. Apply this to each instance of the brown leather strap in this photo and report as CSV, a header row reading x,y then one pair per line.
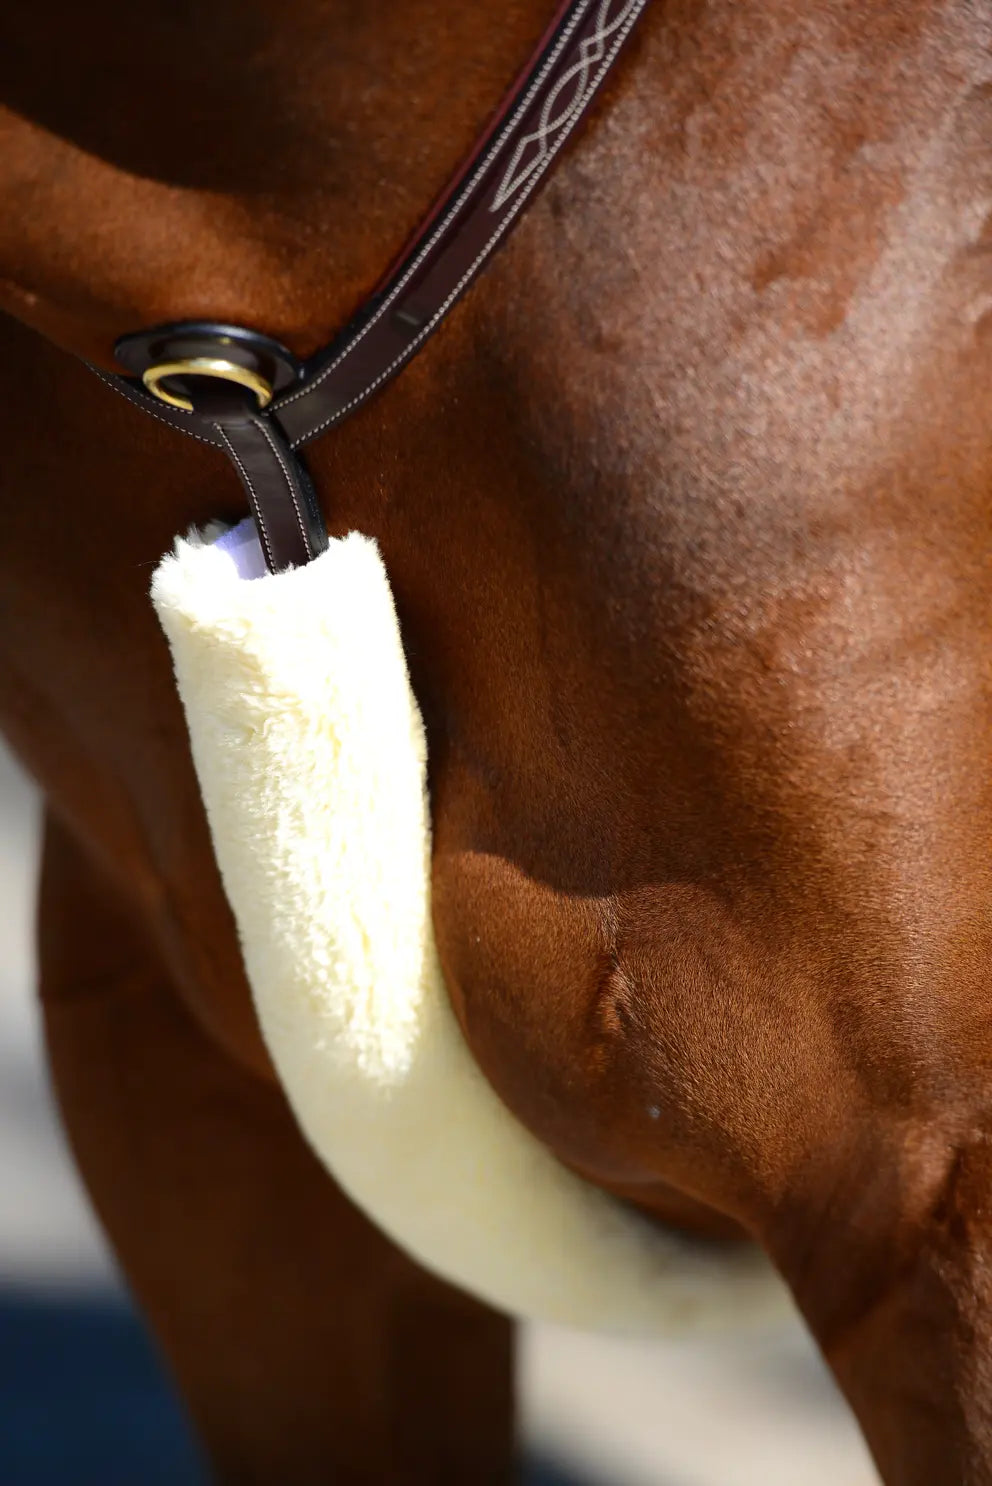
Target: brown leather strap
x,y
290,526
469,221
473,218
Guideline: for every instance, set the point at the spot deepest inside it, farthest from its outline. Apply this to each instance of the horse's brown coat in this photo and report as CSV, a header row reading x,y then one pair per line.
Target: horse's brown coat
x,y
687,510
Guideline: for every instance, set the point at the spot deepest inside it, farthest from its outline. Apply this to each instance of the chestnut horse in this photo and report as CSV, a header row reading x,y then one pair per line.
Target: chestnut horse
x,y
688,513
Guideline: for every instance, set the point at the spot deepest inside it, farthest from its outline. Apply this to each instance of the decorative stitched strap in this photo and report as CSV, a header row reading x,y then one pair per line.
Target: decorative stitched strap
x,y
472,220
467,224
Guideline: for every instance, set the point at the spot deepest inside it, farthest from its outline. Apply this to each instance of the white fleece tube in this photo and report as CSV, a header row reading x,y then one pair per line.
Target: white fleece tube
x,y
310,753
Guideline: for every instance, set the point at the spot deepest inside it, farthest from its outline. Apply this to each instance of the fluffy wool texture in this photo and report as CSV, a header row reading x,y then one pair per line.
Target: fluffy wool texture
x,y
311,755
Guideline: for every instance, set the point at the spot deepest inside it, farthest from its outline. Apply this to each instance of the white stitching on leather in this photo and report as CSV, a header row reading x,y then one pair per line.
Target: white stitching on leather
x,y
442,226
590,52
292,491
256,508
511,215
151,412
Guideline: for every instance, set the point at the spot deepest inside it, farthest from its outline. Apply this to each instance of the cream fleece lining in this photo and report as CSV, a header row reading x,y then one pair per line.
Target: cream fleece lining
x,y
310,752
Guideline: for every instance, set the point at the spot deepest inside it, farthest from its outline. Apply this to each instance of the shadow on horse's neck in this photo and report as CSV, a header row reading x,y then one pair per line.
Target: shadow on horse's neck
x,y
304,141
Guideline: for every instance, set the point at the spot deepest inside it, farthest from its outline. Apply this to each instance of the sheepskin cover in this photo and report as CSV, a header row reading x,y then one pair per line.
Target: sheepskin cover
x,y
310,752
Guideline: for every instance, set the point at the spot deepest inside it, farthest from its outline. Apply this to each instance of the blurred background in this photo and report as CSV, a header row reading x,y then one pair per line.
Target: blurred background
x,y
84,1402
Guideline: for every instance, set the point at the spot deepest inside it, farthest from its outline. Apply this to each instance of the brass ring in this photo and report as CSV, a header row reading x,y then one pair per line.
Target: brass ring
x,y
204,366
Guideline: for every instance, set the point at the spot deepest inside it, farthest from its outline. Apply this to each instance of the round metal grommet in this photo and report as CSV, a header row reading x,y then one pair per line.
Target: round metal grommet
x,y
203,366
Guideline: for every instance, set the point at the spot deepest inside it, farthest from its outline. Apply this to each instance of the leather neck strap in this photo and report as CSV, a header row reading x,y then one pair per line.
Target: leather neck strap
x,y
469,221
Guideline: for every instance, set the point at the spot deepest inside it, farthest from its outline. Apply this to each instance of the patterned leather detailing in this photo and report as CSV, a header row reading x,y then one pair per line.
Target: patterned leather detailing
x,y
569,96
